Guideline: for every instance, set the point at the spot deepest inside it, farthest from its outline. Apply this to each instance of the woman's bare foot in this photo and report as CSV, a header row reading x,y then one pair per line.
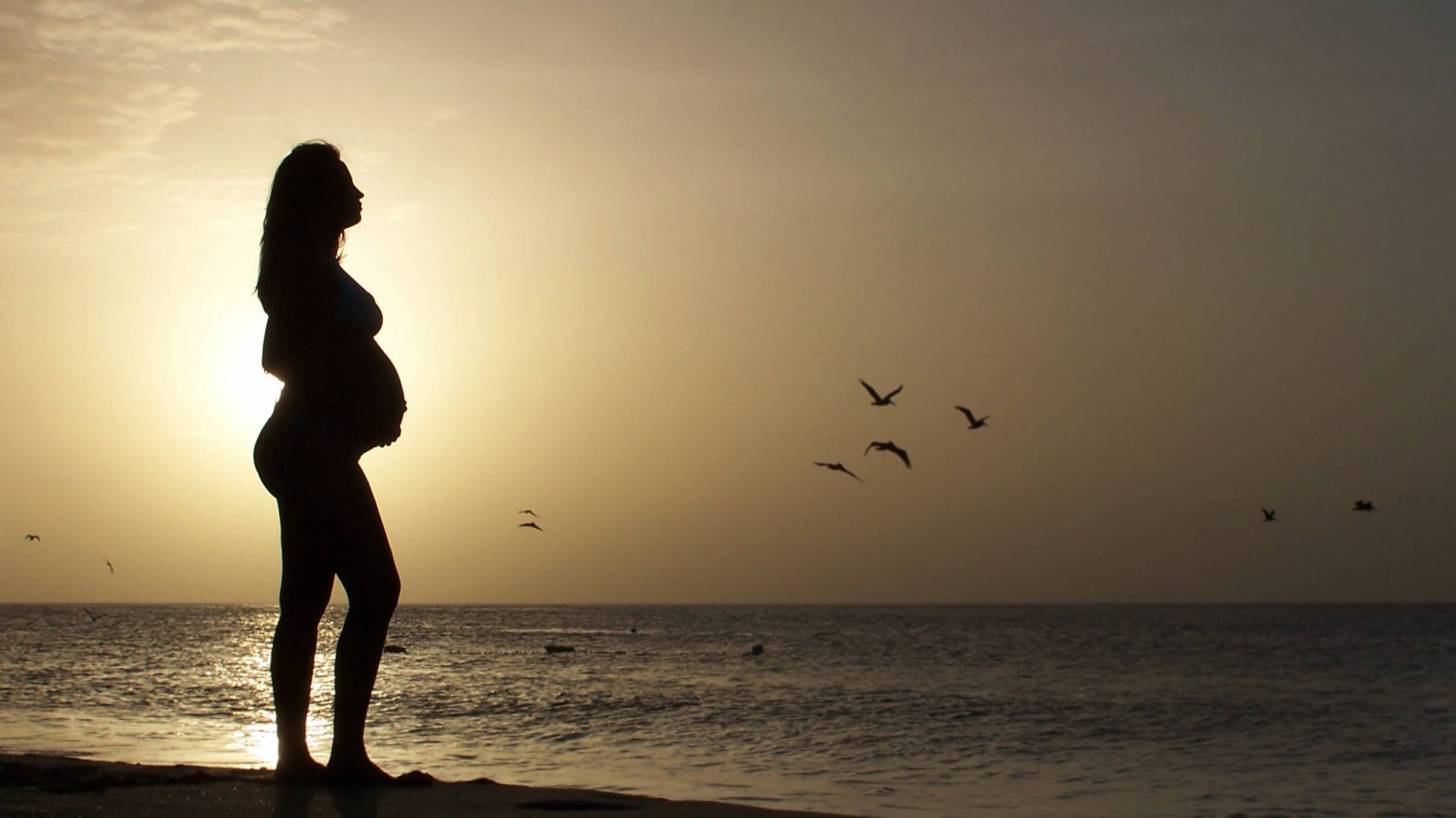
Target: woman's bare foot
x,y
301,771
360,772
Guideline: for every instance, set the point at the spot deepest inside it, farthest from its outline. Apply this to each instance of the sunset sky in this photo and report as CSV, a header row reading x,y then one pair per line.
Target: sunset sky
x,y
1192,259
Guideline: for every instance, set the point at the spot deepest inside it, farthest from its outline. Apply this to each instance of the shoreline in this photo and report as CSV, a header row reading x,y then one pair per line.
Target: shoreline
x,y
41,786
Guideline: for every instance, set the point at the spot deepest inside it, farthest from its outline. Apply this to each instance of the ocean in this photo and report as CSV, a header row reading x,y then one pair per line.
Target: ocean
x,y
1043,710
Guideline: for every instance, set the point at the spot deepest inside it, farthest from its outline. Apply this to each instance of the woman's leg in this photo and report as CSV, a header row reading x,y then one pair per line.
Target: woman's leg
x,y
365,566
308,580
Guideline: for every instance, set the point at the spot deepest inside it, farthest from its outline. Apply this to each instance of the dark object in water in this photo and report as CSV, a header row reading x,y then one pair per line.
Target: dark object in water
x,y
757,650
394,649
560,649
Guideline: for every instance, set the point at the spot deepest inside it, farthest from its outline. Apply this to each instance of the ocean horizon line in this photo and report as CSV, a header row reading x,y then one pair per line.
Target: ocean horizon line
x,y
1020,604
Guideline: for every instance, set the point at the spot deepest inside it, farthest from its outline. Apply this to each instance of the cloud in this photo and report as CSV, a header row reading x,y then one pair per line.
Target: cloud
x,y
92,87
147,34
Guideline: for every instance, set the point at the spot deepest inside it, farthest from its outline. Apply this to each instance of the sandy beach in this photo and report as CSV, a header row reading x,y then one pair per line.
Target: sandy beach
x,y
53,786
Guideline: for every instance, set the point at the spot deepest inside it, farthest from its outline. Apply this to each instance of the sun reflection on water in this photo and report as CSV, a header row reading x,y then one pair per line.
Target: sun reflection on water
x,y
258,739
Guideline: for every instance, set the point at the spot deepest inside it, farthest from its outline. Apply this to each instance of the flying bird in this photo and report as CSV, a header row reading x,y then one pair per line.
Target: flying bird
x,y
32,537
1268,514
1364,505
889,446
528,511
838,467
110,567
875,399
976,423
531,525
93,616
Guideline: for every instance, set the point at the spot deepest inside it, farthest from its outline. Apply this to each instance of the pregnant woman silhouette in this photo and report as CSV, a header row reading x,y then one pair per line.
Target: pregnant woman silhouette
x,y
341,397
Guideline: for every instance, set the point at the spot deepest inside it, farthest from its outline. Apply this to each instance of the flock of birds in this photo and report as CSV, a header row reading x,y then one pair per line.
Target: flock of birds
x,y
109,566
876,399
1272,515
530,523
888,399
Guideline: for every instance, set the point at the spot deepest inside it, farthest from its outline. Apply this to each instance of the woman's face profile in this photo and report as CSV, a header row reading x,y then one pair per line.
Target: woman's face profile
x,y
348,200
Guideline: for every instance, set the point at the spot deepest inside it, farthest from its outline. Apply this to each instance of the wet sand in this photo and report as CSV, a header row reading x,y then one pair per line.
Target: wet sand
x,y
54,786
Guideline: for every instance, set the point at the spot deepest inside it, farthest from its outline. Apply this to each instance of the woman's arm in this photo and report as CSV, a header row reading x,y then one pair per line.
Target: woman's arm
x,y
301,322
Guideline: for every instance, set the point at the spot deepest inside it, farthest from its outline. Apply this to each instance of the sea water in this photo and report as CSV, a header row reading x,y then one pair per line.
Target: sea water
x,y
869,710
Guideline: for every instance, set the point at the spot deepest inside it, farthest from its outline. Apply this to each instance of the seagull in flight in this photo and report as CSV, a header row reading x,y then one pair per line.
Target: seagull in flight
x,y
531,525
838,467
976,423
875,399
528,511
1364,505
32,538
111,567
1268,514
889,446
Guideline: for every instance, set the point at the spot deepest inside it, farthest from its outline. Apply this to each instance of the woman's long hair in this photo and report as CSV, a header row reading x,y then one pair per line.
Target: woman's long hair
x,y
298,225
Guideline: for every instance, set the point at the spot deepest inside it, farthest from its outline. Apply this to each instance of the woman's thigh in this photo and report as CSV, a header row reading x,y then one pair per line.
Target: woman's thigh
x,y
331,522
363,559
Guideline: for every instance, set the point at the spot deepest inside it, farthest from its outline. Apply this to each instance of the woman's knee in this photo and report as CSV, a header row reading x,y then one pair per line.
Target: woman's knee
x,y
301,603
387,592
293,618
374,597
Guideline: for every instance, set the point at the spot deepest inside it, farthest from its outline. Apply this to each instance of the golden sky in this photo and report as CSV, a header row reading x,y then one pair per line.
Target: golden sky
x,y
1192,259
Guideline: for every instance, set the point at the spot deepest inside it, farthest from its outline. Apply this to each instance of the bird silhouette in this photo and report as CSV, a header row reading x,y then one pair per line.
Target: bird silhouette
x,y
1268,514
32,537
838,467
889,446
528,511
110,567
875,399
93,616
976,423
1364,505
531,525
